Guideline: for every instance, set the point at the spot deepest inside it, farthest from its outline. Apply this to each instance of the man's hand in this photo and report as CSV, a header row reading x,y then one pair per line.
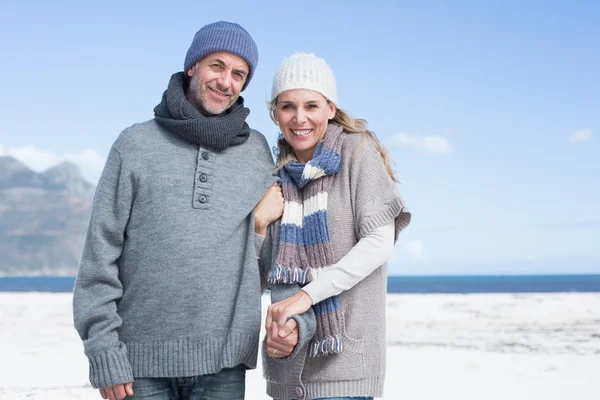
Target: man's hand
x,y
282,340
117,392
268,209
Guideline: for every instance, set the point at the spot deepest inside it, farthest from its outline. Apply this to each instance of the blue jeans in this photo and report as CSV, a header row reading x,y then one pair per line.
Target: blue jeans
x,y
227,384
344,398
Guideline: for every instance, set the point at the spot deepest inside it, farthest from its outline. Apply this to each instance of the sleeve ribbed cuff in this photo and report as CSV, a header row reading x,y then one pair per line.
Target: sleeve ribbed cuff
x,y
110,367
307,325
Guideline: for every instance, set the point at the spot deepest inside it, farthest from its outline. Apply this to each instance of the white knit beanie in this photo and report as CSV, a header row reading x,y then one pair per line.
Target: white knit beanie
x,y
305,71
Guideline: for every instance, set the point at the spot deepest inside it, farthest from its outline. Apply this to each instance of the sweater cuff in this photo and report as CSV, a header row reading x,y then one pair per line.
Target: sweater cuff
x,y
307,325
110,367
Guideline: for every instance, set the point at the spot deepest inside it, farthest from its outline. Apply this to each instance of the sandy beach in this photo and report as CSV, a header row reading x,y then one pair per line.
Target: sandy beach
x,y
484,347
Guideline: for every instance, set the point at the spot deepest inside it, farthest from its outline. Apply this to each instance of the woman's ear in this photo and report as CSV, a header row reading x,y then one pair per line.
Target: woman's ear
x,y
332,110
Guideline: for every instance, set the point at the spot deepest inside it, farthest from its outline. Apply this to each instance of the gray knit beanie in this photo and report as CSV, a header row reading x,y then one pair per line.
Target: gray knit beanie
x,y
223,36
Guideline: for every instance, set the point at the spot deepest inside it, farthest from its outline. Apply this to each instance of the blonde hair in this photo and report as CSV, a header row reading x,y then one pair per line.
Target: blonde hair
x,y
342,119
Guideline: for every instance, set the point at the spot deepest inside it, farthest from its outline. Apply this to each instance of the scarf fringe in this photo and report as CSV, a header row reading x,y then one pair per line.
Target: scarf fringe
x,y
291,276
326,346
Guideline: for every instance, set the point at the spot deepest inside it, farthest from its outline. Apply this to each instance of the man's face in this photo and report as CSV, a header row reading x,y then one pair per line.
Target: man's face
x,y
216,81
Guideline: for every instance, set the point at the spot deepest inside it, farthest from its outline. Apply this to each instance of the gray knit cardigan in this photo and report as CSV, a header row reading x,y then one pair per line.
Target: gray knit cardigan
x,y
363,197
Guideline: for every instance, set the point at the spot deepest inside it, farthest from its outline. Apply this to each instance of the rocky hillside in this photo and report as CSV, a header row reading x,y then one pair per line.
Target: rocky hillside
x,y
43,218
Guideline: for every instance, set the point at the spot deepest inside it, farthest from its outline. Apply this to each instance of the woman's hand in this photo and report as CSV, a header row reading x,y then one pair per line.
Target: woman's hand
x,y
281,311
282,346
268,209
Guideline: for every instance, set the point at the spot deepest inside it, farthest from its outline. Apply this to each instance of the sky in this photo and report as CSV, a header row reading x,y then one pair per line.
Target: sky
x,y
490,109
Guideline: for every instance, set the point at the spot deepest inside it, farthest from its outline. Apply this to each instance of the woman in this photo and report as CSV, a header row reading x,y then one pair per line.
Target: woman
x,y
341,218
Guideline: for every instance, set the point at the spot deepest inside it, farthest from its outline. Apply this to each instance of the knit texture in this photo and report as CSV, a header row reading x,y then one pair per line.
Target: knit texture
x,y
304,248
223,36
168,284
181,118
361,199
305,71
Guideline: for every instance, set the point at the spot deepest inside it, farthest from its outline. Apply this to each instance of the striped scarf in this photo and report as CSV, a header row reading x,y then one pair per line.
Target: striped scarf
x,y
305,248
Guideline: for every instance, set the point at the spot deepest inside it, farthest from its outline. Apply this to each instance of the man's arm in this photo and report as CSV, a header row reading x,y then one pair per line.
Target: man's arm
x,y
97,287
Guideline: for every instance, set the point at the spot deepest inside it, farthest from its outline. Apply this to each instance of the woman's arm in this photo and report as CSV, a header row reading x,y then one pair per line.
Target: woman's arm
x,y
371,252
366,256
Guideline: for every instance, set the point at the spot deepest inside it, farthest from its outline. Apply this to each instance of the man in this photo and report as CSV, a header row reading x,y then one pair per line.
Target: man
x,y
167,298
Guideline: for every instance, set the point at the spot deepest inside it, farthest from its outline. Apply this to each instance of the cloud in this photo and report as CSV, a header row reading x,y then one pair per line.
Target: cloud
x,y
432,144
90,161
580,136
87,159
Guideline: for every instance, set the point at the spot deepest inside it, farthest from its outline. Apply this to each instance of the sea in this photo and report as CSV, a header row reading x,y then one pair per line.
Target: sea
x,y
396,284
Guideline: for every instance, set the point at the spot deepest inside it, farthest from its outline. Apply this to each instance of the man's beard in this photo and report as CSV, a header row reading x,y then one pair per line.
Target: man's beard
x,y
203,104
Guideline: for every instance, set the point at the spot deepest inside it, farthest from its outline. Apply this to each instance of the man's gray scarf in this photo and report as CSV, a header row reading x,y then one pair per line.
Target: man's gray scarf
x,y
176,114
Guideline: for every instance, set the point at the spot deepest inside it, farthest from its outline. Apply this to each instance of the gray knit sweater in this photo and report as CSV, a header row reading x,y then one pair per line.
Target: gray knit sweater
x,y
362,198
168,284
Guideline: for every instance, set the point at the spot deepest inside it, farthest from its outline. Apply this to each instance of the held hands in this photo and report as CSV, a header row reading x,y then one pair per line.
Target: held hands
x,y
282,345
268,209
117,392
282,331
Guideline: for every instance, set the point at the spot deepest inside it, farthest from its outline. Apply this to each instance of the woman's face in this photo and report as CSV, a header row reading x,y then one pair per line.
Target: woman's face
x,y
303,116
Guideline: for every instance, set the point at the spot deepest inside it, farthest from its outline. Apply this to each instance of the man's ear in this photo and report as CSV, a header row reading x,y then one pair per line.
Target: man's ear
x,y
190,71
